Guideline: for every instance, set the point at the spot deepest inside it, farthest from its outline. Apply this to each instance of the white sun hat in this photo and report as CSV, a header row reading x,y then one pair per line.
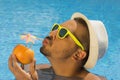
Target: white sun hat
x,y
98,40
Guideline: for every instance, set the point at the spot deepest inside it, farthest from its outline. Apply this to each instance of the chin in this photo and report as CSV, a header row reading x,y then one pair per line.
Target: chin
x,y
44,51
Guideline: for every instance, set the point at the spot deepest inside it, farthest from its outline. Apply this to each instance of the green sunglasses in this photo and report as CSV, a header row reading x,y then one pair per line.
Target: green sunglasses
x,y
63,32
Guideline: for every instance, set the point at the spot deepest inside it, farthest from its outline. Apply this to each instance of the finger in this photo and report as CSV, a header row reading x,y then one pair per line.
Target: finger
x,y
15,64
34,76
14,58
10,63
33,72
32,66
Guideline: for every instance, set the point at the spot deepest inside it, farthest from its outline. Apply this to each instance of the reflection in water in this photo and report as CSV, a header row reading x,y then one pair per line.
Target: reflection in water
x,y
48,74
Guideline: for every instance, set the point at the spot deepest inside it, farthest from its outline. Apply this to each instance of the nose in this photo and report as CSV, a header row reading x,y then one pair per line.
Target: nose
x,y
53,34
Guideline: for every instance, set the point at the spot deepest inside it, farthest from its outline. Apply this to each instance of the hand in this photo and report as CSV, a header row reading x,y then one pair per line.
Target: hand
x,y
19,73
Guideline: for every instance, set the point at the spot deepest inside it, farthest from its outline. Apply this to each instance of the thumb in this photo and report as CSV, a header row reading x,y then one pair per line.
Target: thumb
x,y
33,72
32,66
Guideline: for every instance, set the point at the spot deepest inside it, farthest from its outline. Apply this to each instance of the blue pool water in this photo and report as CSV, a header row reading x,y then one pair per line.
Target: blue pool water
x,y
37,17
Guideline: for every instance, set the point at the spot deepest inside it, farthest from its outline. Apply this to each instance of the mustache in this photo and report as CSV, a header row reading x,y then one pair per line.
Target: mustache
x,y
49,37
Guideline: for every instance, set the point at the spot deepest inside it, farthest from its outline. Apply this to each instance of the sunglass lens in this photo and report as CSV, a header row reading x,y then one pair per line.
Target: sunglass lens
x,y
62,32
55,27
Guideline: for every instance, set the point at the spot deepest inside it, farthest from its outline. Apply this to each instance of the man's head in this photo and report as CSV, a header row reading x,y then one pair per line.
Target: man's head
x,y
63,49
91,43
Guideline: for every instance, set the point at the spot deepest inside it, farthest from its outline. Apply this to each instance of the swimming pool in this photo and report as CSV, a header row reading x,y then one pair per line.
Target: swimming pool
x,y
20,16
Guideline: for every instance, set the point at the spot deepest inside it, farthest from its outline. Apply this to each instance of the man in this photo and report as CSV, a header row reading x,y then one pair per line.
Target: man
x,y
71,47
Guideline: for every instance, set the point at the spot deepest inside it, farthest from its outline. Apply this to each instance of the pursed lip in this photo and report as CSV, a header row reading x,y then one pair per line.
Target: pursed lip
x,y
45,41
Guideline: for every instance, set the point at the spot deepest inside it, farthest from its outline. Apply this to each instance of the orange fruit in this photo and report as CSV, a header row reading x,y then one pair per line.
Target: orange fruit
x,y
23,54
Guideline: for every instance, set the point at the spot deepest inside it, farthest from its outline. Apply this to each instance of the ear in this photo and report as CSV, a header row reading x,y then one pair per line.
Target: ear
x,y
79,55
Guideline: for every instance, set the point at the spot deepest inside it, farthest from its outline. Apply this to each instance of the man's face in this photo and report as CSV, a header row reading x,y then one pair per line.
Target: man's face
x,y
54,47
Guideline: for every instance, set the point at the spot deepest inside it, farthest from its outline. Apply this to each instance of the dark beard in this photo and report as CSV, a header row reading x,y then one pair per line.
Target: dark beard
x,y
44,51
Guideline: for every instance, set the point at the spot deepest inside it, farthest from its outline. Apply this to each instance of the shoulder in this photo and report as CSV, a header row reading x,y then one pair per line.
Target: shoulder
x,y
91,76
102,78
42,66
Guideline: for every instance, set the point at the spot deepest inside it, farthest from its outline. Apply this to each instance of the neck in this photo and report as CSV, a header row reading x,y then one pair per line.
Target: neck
x,y
67,68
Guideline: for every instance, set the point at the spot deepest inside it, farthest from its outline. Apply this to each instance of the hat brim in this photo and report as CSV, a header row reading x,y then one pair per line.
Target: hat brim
x,y
93,48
